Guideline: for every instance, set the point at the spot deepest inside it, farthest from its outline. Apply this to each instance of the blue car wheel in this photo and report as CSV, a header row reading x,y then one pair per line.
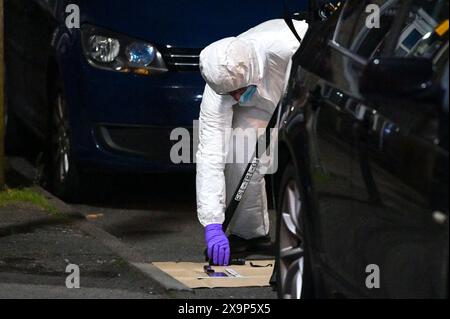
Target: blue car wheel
x,y
63,173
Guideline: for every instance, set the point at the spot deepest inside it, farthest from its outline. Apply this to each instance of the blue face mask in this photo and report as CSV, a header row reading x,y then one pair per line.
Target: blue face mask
x,y
248,95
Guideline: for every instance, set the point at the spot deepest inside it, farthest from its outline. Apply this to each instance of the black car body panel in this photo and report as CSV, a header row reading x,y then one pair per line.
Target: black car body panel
x,y
373,165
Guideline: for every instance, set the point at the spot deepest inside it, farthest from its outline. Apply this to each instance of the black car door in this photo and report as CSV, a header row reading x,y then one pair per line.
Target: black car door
x,y
405,145
384,225
373,224
341,206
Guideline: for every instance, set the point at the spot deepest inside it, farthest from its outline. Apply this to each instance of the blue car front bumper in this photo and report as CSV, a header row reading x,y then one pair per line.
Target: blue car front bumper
x,y
122,122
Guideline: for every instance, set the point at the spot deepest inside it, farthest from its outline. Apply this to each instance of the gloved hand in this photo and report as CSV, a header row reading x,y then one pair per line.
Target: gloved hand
x,y
218,245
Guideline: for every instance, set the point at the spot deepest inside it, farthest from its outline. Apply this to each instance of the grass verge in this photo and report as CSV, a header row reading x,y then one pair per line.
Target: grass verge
x,y
26,196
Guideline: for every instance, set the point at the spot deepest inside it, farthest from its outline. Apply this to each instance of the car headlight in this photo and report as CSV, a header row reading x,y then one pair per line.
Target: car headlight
x,y
103,49
141,54
111,51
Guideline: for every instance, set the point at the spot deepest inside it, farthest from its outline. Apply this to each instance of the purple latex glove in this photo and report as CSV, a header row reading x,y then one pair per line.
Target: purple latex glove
x,y
218,245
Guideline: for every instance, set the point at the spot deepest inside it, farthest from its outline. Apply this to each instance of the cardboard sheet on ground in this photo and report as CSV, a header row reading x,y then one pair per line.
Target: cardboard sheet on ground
x,y
193,276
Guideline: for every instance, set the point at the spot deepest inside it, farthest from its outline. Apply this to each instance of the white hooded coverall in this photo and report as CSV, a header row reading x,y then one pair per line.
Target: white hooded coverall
x,y
258,57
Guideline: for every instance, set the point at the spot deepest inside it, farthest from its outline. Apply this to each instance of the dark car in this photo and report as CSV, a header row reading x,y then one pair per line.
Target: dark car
x,y
362,190
106,96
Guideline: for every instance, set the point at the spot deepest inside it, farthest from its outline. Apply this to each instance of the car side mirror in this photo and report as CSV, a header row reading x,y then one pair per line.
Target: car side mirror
x,y
397,76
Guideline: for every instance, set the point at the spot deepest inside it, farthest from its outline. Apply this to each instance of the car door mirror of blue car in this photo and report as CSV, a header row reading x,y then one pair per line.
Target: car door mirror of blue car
x,y
400,77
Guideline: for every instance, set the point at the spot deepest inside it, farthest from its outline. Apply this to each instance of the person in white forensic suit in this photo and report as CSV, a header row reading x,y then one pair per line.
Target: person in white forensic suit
x,y
245,77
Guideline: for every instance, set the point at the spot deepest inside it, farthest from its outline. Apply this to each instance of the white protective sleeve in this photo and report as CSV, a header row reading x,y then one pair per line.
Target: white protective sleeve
x,y
216,116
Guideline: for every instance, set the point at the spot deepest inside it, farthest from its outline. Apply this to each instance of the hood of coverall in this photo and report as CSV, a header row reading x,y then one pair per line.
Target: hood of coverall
x,y
230,64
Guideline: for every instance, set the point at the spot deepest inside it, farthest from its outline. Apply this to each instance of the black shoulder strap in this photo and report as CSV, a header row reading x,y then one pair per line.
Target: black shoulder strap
x,y
290,24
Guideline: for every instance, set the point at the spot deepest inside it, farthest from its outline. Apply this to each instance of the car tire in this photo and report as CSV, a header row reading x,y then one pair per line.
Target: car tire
x,y
64,177
293,273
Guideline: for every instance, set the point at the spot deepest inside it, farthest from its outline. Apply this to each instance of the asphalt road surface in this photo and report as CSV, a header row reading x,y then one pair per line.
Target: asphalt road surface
x,y
156,215
33,265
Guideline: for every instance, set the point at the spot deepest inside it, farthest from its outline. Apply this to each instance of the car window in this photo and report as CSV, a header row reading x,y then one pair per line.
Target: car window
x,y
425,31
364,24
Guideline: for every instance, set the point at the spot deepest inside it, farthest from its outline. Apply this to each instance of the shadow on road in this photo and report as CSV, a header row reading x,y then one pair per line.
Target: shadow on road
x,y
156,191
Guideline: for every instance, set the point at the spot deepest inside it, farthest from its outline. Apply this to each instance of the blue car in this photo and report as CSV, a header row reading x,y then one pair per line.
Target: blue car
x,y
104,82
